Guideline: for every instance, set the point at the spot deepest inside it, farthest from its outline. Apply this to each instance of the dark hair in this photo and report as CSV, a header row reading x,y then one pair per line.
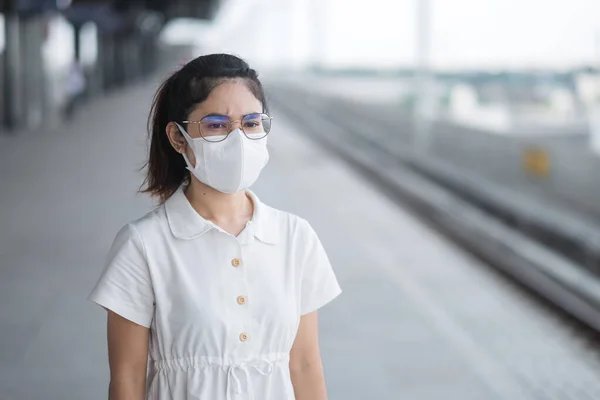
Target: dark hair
x,y
175,99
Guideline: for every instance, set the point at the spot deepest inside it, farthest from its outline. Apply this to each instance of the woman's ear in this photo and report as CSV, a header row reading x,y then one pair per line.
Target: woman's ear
x,y
176,137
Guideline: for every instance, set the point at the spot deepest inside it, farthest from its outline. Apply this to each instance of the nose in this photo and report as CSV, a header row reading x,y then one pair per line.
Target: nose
x,y
236,125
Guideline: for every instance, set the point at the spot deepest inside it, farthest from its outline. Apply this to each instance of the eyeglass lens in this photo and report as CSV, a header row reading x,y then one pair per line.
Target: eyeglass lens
x,y
217,127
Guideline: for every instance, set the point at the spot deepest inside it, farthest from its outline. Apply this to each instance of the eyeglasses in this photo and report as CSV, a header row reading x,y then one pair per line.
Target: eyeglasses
x,y
216,128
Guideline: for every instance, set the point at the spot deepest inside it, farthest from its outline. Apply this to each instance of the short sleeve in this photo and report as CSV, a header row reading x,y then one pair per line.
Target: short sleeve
x,y
319,283
125,286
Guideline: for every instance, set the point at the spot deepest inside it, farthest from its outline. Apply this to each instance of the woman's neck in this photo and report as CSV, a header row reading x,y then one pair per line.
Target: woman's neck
x,y
219,207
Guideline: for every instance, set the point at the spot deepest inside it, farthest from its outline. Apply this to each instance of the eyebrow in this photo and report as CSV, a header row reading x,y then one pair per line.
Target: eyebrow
x,y
227,116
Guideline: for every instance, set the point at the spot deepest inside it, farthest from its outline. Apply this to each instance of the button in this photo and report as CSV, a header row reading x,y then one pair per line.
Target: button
x,y
244,337
241,300
235,262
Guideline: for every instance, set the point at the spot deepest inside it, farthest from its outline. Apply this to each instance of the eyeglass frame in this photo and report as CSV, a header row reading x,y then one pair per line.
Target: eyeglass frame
x,y
231,122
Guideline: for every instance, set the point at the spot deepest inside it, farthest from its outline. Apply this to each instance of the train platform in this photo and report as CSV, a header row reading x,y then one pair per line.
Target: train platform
x,y
419,318
552,163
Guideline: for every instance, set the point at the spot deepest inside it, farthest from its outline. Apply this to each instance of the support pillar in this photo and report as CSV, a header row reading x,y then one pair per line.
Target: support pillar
x,y
33,87
12,92
77,42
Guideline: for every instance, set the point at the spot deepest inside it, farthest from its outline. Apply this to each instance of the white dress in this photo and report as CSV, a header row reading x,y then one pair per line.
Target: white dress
x,y
223,311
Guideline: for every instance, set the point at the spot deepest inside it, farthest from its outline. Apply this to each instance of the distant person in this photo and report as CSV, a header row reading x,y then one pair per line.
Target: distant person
x,y
214,291
75,88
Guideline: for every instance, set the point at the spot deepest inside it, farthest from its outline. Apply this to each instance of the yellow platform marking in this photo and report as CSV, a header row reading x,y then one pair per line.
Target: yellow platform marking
x,y
536,161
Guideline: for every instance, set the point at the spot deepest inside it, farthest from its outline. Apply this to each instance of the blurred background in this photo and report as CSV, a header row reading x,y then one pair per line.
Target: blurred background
x,y
446,152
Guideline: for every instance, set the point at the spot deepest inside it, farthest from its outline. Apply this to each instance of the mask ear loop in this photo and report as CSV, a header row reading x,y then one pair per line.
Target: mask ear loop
x,y
190,142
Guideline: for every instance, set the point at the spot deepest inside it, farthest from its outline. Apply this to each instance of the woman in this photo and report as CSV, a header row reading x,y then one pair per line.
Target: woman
x,y
213,295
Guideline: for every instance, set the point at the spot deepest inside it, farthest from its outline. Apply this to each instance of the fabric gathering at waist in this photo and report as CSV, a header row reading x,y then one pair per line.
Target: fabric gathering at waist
x,y
216,362
237,371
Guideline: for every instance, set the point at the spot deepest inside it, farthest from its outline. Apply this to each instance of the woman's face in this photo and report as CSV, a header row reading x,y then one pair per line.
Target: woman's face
x,y
231,98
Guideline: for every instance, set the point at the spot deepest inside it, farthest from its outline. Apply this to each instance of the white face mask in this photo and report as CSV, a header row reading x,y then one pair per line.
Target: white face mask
x,y
228,166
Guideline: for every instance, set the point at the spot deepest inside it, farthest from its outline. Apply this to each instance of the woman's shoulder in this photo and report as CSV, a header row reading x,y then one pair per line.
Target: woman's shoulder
x,y
145,226
286,221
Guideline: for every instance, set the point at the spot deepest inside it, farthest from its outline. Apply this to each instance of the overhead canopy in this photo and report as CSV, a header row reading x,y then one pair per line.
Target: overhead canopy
x,y
111,15
28,7
106,18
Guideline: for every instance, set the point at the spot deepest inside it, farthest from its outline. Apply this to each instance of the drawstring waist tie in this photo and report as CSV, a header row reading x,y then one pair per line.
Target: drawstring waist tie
x,y
238,373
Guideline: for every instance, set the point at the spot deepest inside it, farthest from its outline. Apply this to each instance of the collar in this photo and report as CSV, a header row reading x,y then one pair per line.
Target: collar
x,y
185,223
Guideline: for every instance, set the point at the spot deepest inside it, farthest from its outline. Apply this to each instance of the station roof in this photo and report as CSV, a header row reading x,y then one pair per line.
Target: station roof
x,y
115,15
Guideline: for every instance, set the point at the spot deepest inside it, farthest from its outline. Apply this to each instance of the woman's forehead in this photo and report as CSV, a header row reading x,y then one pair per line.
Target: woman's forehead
x,y
234,99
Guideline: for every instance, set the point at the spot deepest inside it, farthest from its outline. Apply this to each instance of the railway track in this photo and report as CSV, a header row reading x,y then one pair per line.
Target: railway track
x,y
558,260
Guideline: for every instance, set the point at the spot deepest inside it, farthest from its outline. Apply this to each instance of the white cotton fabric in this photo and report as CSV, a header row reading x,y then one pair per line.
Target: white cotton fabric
x,y
175,273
